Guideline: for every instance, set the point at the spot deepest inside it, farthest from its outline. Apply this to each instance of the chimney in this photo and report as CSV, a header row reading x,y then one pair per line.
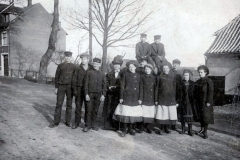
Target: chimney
x,y
29,2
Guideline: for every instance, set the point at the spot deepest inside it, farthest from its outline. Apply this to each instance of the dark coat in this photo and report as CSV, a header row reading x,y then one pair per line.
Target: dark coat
x,y
64,74
95,82
79,74
147,90
140,70
178,78
142,49
204,94
186,99
129,91
166,89
157,50
112,97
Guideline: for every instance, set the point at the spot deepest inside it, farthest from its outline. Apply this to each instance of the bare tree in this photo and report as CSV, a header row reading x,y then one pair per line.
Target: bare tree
x,y
113,21
51,45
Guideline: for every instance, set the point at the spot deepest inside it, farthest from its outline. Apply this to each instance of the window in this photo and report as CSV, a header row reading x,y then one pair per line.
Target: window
x,y
4,39
7,18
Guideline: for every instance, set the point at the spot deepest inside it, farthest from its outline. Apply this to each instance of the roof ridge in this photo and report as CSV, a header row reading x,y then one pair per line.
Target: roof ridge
x,y
227,25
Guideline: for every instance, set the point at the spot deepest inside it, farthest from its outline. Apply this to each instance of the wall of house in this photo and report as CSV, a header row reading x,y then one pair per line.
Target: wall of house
x,y
29,37
228,66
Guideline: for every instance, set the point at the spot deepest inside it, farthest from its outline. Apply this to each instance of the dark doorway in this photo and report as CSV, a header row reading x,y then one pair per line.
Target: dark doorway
x,y
5,61
219,90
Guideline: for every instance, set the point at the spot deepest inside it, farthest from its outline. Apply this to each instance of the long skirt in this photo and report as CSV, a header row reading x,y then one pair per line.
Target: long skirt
x,y
128,114
166,115
148,113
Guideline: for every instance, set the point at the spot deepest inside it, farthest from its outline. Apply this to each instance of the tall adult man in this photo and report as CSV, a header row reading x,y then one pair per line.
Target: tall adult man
x,y
112,97
143,50
78,78
63,86
95,91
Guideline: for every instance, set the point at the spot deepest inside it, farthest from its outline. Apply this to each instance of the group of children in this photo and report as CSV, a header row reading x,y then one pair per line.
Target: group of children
x,y
136,96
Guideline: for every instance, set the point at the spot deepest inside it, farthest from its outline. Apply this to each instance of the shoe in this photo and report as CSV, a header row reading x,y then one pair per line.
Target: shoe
x,y
74,126
123,134
166,130
190,130
183,130
67,124
86,129
131,132
52,125
190,133
95,128
205,136
160,132
148,130
174,127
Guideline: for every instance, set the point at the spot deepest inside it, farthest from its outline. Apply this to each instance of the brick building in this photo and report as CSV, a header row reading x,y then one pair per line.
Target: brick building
x,y
24,39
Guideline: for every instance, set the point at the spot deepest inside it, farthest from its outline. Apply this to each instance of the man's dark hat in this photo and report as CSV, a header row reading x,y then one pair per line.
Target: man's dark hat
x,y
177,61
84,55
203,67
142,59
157,37
117,60
132,62
143,35
98,60
68,54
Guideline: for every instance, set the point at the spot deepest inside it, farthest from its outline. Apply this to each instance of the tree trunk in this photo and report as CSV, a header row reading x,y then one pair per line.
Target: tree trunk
x,y
90,30
51,45
104,58
105,39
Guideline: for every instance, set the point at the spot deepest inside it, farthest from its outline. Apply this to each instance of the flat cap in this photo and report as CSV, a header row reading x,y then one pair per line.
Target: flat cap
x,y
177,61
143,35
84,55
157,37
98,60
68,54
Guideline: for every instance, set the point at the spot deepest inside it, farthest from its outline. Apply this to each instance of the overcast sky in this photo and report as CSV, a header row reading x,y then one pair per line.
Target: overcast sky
x,y
186,26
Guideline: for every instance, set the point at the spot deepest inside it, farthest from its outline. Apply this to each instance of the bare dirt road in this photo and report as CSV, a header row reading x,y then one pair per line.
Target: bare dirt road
x,y
27,108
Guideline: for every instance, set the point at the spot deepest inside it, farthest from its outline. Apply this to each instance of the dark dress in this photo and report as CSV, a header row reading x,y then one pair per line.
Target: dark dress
x,y
186,105
112,97
129,111
204,94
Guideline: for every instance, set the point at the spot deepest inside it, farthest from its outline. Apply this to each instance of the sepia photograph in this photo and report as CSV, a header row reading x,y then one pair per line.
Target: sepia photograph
x,y
119,80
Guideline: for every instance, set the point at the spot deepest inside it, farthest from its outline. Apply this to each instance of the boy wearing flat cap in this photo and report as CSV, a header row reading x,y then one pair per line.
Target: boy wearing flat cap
x,y
95,91
158,52
176,64
78,85
143,50
63,85
112,97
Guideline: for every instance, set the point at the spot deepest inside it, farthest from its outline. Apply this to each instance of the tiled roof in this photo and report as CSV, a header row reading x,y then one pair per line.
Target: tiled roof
x,y
11,9
227,39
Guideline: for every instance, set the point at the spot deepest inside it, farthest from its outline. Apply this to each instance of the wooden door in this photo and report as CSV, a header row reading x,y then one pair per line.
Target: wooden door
x,y
5,61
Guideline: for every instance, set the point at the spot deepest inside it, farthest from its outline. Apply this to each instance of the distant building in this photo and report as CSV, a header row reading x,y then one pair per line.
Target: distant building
x,y
24,38
223,57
